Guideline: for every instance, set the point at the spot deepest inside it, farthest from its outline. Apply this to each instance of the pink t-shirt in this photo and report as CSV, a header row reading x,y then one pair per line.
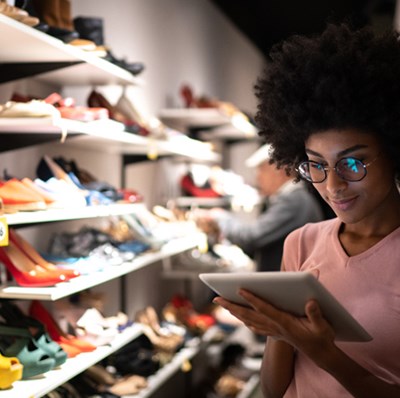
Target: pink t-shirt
x,y
367,285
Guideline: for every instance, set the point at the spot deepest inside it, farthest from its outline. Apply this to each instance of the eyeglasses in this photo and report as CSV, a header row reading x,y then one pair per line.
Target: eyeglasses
x,y
348,169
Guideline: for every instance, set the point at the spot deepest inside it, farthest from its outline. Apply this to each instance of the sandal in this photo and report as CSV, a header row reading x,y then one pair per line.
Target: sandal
x,y
19,343
15,317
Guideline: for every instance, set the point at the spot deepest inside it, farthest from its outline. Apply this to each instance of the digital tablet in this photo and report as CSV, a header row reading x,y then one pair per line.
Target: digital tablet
x,y
288,291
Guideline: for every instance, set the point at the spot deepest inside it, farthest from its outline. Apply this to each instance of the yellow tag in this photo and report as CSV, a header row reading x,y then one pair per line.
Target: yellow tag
x,y
3,231
186,366
152,150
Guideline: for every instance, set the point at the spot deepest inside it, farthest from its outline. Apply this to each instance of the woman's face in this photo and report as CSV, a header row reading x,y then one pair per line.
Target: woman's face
x,y
369,200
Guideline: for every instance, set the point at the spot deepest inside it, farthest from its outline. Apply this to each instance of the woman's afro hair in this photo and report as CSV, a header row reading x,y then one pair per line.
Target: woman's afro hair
x,y
338,80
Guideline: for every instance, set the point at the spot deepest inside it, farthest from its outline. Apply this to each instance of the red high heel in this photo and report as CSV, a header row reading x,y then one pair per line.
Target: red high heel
x,y
24,271
30,252
68,342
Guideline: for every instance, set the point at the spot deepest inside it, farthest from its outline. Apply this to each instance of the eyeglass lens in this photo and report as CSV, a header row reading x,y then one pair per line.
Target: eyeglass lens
x,y
349,169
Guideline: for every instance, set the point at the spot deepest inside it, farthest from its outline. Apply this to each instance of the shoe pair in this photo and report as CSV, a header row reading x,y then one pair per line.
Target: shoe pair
x,y
19,196
36,354
27,267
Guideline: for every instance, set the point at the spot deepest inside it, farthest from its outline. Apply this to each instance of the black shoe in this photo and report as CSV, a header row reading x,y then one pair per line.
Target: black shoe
x,y
64,35
135,67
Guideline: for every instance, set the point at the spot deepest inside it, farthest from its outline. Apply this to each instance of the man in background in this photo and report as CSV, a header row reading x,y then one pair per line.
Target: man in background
x,y
288,205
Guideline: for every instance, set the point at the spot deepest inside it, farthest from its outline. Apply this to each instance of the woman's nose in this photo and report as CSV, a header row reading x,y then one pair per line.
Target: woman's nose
x,y
334,182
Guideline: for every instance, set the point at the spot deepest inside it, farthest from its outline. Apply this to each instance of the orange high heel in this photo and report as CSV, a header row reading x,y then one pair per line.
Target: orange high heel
x,y
71,345
31,252
24,271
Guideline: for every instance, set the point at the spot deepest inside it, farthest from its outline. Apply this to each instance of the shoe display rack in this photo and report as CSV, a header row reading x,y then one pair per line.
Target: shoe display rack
x,y
210,123
27,52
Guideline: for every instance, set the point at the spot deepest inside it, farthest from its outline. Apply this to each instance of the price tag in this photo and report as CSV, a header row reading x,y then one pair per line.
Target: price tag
x,y
3,231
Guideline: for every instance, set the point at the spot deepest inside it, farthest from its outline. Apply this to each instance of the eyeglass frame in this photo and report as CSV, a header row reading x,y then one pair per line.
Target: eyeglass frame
x,y
327,168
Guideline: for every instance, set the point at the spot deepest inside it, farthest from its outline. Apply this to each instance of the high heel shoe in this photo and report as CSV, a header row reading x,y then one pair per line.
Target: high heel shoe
x,y
30,252
24,271
10,371
161,342
71,344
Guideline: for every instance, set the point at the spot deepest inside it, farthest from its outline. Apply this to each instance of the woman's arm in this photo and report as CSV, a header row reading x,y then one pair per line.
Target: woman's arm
x,y
276,368
313,336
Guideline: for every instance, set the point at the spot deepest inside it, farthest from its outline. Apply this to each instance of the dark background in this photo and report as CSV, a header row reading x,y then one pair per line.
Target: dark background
x,y
266,22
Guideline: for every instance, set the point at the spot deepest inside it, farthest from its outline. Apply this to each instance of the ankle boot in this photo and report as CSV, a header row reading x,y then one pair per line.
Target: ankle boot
x,y
90,28
65,14
48,11
57,15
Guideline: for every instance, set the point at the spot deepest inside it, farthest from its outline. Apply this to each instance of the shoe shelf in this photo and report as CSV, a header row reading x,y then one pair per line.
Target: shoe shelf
x,y
215,123
230,132
191,201
249,387
38,387
126,143
178,362
83,282
54,215
27,52
185,118
104,135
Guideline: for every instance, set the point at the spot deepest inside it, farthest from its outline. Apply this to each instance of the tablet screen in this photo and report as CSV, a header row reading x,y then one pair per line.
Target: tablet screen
x,y
288,291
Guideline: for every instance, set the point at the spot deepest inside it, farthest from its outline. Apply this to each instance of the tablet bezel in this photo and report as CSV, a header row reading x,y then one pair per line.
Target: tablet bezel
x,y
288,291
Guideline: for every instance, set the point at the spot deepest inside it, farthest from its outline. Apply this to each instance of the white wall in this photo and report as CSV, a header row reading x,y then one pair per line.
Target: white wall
x,y
179,41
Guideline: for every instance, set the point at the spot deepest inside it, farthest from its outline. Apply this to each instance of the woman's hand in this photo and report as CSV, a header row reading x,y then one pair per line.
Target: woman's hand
x,y
310,334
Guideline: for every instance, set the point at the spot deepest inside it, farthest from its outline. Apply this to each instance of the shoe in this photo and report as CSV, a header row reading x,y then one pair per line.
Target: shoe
x,y
129,385
71,344
161,339
69,110
30,109
31,252
17,197
49,200
15,317
66,195
57,15
19,343
135,68
10,371
24,271
18,14
180,311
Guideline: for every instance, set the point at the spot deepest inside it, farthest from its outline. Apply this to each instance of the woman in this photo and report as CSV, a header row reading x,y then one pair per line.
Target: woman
x,y
330,107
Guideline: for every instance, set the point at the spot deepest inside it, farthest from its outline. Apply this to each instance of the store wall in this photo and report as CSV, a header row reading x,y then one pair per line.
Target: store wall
x,y
179,41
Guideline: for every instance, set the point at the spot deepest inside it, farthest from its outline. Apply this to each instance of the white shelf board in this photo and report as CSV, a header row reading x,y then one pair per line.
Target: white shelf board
x,y
229,132
51,215
65,289
161,376
23,44
109,136
191,201
193,117
249,387
39,386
